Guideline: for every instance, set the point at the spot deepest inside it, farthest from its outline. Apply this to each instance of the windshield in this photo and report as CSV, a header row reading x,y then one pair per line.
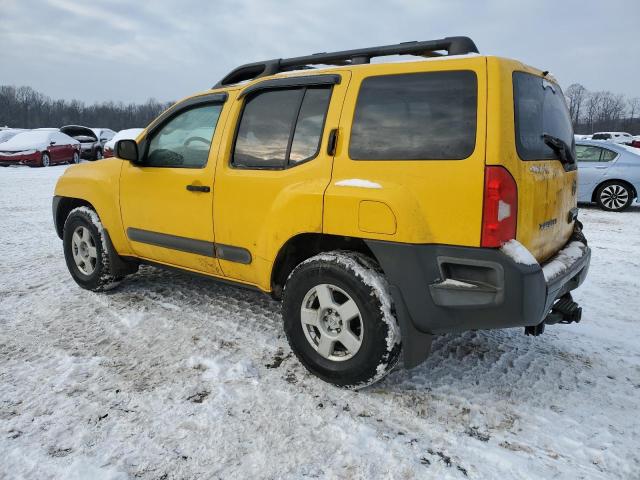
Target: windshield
x,y
540,109
28,139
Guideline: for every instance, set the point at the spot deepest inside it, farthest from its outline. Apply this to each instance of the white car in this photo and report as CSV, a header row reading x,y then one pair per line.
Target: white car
x,y
7,133
104,135
128,134
615,137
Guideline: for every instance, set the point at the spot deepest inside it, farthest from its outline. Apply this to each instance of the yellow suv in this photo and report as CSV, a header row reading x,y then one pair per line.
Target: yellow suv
x,y
383,203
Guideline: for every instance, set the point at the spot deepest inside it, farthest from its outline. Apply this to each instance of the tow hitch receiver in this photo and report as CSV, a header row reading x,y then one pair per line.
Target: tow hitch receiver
x,y
565,310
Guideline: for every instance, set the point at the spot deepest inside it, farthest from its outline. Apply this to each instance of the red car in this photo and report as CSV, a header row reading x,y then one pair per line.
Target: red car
x,y
39,148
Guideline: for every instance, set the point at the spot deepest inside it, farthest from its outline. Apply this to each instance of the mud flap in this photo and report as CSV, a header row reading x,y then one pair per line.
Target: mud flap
x,y
416,345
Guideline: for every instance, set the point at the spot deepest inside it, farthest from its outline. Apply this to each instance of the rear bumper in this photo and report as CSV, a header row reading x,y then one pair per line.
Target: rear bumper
x,y
445,289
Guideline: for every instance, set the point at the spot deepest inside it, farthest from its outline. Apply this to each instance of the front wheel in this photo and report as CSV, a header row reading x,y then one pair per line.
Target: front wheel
x,y
339,319
76,158
45,160
614,196
86,251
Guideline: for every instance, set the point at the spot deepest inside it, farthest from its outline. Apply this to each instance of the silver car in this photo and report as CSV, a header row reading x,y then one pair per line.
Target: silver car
x,y
608,174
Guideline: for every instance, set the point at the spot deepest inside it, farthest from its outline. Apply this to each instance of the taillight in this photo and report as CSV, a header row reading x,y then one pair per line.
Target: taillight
x,y
500,211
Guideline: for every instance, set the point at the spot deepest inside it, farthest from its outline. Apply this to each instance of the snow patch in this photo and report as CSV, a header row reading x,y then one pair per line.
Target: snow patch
x,y
222,370
357,182
518,253
563,260
450,282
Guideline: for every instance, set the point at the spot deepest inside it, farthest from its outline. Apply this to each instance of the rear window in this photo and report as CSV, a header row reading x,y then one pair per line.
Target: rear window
x,y
540,109
417,116
601,136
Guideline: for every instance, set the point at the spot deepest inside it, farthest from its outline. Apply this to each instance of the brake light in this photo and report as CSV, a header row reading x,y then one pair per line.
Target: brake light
x,y
500,210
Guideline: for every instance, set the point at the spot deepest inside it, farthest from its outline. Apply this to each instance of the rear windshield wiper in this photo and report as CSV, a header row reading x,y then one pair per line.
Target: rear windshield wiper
x,y
560,147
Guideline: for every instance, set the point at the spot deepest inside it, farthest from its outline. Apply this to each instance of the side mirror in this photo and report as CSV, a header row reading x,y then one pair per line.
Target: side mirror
x,y
127,150
52,142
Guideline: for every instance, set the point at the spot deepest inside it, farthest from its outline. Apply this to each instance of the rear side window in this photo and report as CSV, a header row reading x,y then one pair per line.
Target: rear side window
x,y
280,128
417,116
600,136
540,109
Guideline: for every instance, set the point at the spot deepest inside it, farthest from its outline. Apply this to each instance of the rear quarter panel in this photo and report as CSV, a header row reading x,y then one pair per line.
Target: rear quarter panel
x,y
416,201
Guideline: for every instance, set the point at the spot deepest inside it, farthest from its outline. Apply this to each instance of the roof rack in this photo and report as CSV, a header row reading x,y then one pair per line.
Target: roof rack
x,y
428,48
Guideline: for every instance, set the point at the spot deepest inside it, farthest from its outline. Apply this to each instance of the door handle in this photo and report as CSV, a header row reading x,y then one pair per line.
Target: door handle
x,y
198,188
333,142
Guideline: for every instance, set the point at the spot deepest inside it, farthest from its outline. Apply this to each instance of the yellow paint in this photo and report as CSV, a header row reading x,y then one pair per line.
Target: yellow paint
x,y
376,217
431,201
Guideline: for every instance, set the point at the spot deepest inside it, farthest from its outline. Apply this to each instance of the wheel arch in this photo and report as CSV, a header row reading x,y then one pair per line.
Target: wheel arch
x,y
304,246
62,206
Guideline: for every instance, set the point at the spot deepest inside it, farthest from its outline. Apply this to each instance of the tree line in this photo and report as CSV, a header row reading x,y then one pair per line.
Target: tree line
x,y
602,111
24,107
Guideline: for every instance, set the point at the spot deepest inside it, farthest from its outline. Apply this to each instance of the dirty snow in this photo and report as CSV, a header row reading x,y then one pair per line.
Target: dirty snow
x,y
358,182
450,282
171,376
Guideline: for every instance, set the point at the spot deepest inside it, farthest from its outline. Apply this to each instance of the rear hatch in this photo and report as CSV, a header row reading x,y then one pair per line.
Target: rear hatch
x,y
545,168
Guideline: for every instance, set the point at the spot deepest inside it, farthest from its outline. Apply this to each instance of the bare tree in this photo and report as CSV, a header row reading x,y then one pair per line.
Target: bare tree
x,y
575,94
28,108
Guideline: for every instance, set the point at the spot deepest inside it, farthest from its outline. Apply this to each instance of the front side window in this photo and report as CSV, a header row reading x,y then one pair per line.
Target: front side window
x,y
540,110
416,116
184,141
280,128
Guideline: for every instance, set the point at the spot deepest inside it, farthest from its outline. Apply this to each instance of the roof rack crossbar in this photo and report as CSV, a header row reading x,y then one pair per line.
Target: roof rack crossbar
x,y
429,48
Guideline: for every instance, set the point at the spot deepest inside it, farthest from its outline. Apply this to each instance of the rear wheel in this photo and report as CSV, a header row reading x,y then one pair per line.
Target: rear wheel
x,y
45,160
339,319
614,196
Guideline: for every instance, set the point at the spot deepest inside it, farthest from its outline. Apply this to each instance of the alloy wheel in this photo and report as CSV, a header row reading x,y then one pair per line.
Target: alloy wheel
x,y
331,322
45,160
83,248
614,196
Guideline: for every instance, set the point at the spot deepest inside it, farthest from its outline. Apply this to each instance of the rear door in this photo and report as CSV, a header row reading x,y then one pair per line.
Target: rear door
x,y
531,134
270,183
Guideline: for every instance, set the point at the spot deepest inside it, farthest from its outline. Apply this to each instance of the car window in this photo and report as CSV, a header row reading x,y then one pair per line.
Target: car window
x,y
540,109
586,153
184,141
417,116
308,132
607,155
280,127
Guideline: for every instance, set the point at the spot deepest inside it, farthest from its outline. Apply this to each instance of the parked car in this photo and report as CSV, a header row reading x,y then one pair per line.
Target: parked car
x,y
7,133
636,141
39,148
609,174
615,137
89,141
130,133
582,137
104,135
376,232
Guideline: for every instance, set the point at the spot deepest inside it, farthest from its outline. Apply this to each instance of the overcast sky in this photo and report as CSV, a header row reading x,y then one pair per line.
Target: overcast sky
x,y
126,50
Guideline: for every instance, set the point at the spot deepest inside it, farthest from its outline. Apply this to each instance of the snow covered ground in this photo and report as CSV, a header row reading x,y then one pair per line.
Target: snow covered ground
x,y
172,376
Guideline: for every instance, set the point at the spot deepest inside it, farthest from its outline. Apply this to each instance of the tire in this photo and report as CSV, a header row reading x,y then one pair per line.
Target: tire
x,y
614,196
45,160
75,159
86,251
98,155
320,299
